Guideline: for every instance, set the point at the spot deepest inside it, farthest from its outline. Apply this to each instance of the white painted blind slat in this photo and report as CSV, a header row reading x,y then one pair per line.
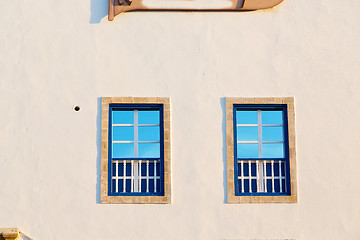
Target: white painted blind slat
x,y
155,176
265,177
272,176
250,188
117,176
124,174
242,176
132,176
280,177
147,176
140,176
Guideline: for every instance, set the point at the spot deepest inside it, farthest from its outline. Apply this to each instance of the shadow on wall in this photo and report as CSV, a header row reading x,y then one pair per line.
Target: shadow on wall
x,y
98,10
22,237
98,147
223,128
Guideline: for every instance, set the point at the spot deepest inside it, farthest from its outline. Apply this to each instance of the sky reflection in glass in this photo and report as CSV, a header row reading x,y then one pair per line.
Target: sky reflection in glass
x,y
271,117
123,150
247,150
272,133
149,117
123,133
273,150
247,133
149,133
149,150
123,117
246,117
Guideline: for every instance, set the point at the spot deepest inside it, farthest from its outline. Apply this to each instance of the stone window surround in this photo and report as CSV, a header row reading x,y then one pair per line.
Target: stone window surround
x,y
231,198
106,101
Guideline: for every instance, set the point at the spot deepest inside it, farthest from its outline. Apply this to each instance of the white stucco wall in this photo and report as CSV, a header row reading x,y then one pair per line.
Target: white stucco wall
x,y
58,54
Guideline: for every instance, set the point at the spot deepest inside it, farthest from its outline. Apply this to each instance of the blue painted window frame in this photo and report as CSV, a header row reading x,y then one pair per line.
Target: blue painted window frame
x,y
121,107
266,107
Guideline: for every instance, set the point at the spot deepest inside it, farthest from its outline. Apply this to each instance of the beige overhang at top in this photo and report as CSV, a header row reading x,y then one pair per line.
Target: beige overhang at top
x,y
9,233
118,6
12,234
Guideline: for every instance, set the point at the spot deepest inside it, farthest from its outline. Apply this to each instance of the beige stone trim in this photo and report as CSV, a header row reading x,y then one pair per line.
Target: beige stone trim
x,y
289,101
165,101
9,233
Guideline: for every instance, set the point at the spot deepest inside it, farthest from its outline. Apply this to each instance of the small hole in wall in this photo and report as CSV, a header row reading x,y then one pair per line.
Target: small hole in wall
x,y
77,108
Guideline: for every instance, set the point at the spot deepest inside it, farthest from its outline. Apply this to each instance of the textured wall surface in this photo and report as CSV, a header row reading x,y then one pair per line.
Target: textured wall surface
x,y
58,54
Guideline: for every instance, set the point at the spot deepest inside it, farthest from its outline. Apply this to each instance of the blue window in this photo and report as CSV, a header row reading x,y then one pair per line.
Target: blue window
x,y
136,150
261,150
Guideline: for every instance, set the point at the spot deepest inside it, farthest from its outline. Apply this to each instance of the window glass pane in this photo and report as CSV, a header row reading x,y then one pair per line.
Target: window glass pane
x,y
253,185
120,187
149,117
276,169
239,169
269,185
272,133
123,117
113,188
246,185
273,150
143,185
149,133
123,150
149,150
239,186
271,117
123,133
247,150
246,117
151,169
253,169
128,185
247,133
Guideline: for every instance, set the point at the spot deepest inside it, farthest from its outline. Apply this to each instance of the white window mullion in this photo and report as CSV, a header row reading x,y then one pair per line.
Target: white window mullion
x,y
260,134
260,166
122,141
136,134
247,141
148,125
122,125
272,125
